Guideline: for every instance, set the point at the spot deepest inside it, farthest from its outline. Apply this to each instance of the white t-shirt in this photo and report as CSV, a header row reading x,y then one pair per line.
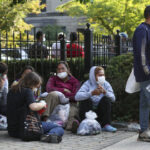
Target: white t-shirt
x,y
56,49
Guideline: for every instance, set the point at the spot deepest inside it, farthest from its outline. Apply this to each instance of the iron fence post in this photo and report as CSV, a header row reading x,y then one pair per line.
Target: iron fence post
x,y
63,49
117,43
88,48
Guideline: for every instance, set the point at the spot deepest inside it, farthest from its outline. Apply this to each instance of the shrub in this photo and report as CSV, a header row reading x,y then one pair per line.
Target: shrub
x,y
126,107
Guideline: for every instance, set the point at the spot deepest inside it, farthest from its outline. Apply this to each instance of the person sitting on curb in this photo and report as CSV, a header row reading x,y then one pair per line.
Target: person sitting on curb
x,y
21,95
3,88
97,94
24,71
68,85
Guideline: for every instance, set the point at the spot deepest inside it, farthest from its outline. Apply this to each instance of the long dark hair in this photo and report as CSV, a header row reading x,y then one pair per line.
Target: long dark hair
x,y
73,37
30,80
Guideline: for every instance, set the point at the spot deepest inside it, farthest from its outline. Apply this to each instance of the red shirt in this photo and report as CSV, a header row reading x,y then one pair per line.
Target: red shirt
x,y
75,49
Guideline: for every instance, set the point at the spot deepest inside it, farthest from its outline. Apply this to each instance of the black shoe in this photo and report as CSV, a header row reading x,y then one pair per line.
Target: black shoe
x,y
75,125
51,138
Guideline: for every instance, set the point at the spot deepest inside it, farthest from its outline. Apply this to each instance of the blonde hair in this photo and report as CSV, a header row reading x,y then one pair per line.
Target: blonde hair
x,y
99,68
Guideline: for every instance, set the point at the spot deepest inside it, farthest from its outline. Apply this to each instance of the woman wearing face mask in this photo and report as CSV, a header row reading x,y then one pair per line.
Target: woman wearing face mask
x,y
97,94
3,88
65,83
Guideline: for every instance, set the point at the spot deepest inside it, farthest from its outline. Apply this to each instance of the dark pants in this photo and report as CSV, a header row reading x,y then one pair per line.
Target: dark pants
x,y
3,109
103,110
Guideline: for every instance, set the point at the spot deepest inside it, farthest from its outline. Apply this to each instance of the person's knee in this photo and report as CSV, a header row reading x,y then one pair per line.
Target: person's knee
x,y
53,94
58,131
106,100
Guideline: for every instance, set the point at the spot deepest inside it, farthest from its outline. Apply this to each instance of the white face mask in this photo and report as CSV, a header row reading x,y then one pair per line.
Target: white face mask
x,y
5,76
35,90
101,80
62,75
44,39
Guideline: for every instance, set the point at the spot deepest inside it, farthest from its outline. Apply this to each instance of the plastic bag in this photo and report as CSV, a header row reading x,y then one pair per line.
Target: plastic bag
x,y
60,114
3,122
89,126
132,86
63,99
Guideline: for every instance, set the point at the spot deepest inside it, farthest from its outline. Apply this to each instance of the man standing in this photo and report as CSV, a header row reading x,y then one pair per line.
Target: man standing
x,y
141,48
38,50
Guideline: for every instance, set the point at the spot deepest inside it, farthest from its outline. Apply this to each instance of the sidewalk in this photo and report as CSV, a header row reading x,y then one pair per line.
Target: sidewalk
x,y
130,144
69,142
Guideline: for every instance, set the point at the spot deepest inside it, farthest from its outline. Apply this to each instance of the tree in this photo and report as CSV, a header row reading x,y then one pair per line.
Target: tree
x,y
12,14
108,16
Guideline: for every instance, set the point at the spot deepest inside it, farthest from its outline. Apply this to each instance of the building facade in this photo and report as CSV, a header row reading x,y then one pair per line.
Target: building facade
x,y
49,16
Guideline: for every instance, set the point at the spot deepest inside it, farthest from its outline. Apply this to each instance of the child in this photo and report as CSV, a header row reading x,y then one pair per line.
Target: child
x,y
21,95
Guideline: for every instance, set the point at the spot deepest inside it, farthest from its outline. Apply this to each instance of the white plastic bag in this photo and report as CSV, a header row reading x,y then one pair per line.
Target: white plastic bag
x,y
89,126
3,122
132,86
63,99
60,114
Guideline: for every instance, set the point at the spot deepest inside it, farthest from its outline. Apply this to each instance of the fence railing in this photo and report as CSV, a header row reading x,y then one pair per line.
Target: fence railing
x,y
19,50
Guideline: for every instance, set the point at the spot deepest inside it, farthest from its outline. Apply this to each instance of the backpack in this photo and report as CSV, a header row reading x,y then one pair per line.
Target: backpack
x,y
31,126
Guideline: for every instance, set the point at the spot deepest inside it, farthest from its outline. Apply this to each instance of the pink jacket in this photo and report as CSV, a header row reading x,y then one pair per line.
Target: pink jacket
x,y
56,84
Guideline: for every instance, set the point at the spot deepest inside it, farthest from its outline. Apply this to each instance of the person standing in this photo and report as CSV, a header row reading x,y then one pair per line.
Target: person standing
x,y
38,49
141,49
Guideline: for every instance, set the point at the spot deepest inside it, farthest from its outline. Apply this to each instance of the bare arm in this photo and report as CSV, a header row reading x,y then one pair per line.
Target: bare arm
x,y
37,106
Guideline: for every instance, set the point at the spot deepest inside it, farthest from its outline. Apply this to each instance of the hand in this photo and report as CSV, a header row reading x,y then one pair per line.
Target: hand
x,y
1,82
101,89
96,92
66,90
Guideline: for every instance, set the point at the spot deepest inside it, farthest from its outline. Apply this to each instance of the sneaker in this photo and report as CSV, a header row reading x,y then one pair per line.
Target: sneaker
x,y
144,136
75,125
51,138
109,128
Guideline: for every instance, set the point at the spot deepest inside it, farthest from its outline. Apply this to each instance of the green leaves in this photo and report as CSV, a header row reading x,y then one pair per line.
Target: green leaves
x,y
12,16
108,16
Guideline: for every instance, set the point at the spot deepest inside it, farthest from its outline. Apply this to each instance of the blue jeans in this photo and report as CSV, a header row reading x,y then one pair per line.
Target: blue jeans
x,y
144,105
52,128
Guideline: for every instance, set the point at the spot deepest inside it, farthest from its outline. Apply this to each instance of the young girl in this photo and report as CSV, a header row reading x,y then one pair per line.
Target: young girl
x,y
24,71
21,95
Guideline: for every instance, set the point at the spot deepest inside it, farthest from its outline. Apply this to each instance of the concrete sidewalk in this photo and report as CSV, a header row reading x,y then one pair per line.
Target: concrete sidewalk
x,y
130,144
70,142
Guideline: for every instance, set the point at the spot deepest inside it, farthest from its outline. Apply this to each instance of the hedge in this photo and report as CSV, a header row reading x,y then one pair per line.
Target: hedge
x,y
126,107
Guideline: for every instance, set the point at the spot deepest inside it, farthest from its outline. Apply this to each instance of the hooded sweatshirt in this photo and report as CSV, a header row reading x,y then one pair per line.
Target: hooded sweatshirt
x,y
85,92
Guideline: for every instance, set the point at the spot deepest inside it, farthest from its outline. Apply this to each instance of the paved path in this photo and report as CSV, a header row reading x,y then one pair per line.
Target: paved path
x,y
130,144
69,142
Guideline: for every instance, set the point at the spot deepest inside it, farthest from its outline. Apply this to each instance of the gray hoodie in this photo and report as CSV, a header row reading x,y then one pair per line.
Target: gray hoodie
x,y
84,92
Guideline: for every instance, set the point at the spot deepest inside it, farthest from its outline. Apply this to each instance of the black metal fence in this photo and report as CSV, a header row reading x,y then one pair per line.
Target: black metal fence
x,y
18,50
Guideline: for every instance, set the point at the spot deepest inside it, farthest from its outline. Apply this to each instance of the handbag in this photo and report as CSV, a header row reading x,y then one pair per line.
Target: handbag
x,y
32,127
132,86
